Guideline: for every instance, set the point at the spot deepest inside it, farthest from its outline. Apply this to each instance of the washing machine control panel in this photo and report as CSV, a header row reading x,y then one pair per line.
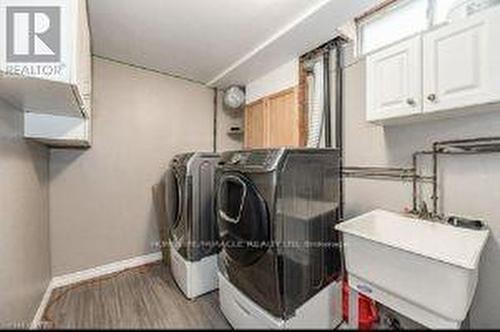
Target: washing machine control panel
x,y
261,159
236,158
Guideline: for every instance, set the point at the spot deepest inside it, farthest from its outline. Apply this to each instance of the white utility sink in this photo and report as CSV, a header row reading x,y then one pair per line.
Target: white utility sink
x,y
425,270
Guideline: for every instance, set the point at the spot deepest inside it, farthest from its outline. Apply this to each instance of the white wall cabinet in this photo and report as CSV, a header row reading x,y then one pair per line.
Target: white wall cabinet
x,y
54,93
393,81
448,71
461,64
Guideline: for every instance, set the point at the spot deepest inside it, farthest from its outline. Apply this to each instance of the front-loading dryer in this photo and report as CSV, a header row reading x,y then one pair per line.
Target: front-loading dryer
x,y
280,263
193,235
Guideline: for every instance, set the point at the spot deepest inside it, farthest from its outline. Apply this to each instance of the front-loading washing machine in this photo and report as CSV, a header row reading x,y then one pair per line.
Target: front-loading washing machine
x,y
193,235
280,264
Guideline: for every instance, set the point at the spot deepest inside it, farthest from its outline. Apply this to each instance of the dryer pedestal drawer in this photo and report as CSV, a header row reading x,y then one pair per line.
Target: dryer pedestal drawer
x,y
242,312
323,311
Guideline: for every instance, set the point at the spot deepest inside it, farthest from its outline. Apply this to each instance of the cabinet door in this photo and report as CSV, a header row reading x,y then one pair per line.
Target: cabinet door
x,y
459,64
283,119
256,125
394,81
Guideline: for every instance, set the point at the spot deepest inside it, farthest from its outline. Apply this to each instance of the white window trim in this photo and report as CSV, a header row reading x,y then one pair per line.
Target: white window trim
x,y
431,9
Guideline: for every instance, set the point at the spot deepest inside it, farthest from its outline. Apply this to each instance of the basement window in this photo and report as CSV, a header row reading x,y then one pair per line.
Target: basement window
x,y
394,20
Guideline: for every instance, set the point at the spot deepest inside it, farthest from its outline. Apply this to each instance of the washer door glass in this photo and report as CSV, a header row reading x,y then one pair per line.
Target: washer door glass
x,y
243,219
173,197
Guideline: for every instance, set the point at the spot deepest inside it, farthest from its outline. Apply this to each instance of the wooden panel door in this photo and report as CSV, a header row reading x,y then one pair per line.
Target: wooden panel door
x,y
256,134
461,64
283,115
394,81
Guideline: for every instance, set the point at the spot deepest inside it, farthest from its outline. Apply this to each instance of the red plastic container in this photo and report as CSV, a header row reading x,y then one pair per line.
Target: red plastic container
x,y
367,311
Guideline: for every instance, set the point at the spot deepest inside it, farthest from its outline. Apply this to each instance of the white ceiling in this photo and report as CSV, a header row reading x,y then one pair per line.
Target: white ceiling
x,y
208,41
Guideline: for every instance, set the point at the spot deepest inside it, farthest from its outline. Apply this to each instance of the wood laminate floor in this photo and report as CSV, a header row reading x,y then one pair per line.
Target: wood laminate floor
x,y
145,297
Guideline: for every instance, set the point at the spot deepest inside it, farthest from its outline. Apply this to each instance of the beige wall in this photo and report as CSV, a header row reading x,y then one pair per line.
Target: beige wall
x,y
101,207
469,185
24,224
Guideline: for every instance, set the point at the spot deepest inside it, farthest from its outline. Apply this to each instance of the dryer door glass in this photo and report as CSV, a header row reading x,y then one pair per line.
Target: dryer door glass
x,y
243,219
173,197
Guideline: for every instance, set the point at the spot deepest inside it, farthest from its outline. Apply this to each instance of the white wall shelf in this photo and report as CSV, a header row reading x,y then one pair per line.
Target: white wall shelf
x,y
42,96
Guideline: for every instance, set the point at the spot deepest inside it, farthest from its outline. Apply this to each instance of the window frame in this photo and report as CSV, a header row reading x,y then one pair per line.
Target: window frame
x,y
384,8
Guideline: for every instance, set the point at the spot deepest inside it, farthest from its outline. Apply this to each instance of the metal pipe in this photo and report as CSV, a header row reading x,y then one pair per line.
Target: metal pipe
x,y
435,197
470,140
216,106
326,99
468,153
339,127
438,148
389,177
415,186
395,169
339,117
369,173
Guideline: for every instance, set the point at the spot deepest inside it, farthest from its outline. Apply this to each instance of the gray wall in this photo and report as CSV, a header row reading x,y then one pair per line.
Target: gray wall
x,y
226,118
101,206
24,222
470,185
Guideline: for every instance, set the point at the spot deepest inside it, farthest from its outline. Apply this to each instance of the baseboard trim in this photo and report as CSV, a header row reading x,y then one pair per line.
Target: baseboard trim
x,y
95,272
99,271
41,308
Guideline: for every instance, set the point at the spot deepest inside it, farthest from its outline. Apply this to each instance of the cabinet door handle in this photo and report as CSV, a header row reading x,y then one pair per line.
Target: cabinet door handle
x,y
432,97
411,102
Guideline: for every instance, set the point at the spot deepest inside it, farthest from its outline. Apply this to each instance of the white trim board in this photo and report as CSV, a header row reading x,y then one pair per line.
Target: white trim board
x,y
99,271
41,308
95,272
